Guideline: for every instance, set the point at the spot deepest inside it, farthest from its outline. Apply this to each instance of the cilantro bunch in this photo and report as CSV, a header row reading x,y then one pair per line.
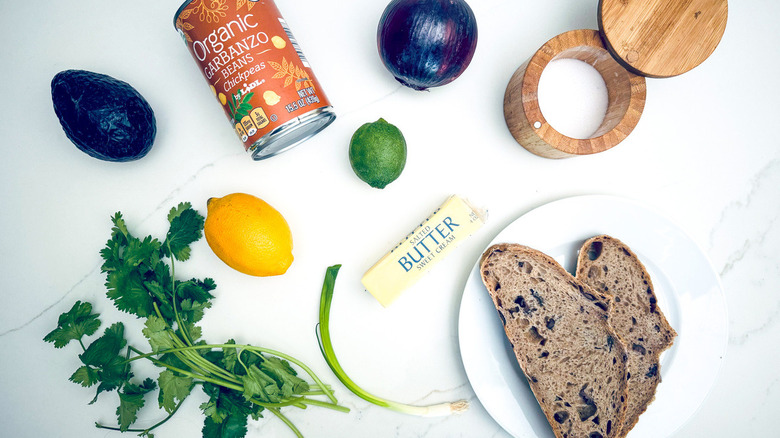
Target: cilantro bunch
x,y
241,381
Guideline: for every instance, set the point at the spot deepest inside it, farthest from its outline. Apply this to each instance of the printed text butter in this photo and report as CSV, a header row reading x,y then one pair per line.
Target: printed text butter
x,y
439,234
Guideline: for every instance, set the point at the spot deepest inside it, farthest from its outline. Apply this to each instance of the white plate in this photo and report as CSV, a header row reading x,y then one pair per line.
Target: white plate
x,y
688,290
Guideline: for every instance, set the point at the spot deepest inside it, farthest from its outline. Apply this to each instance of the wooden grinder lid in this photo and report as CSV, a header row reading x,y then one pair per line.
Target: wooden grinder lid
x,y
662,38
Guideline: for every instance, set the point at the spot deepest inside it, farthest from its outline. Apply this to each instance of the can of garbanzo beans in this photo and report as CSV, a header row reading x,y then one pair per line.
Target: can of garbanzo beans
x,y
257,71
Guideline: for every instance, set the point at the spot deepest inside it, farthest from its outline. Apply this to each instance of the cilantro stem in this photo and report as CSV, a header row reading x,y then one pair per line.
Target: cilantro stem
x,y
243,365
289,424
204,365
189,358
127,374
193,360
137,277
148,429
314,392
297,401
185,372
183,329
322,404
252,349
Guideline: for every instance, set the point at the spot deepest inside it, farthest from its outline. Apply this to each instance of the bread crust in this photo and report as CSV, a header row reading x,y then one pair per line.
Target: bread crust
x,y
609,266
581,383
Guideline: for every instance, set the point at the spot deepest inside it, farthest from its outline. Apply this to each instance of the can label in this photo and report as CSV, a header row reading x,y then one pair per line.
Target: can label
x,y
252,62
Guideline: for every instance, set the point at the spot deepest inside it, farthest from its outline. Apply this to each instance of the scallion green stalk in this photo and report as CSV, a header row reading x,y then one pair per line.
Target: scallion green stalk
x,y
326,346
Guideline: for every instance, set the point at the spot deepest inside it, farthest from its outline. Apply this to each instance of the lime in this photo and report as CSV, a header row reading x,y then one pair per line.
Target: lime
x,y
377,153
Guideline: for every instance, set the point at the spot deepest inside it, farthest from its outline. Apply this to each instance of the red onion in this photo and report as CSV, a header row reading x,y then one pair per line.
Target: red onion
x,y
427,43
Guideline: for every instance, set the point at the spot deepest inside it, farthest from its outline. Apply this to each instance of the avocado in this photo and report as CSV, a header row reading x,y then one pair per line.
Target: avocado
x,y
104,117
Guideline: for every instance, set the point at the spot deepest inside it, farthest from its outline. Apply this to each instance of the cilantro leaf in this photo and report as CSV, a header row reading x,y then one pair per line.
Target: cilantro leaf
x,y
157,334
233,426
119,228
260,385
105,348
285,376
195,290
112,376
225,402
136,277
230,357
173,387
186,228
178,210
103,355
129,263
189,331
161,296
126,288
254,384
139,251
157,290
131,400
210,410
74,324
140,281
247,359
85,376
193,311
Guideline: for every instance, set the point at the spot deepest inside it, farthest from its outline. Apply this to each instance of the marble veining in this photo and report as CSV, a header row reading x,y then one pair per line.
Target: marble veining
x,y
769,321
53,307
754,216
762,190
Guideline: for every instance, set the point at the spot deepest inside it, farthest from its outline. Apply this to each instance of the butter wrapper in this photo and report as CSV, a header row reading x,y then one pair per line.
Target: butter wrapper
x,y
423,248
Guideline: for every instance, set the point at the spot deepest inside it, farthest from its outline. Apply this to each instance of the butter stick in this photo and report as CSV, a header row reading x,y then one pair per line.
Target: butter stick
x,y
424,247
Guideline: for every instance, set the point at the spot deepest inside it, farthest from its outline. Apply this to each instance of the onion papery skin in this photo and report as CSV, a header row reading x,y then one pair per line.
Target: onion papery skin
x,y
427,43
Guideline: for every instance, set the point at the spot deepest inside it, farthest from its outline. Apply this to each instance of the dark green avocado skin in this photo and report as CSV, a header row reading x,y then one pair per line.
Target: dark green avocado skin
x,y
104,117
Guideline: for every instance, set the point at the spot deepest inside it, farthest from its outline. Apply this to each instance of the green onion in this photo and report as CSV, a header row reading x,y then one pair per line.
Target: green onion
x,y
323,335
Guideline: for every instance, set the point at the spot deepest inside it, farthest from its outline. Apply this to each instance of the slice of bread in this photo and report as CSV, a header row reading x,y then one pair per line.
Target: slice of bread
x,y
574,362
609,266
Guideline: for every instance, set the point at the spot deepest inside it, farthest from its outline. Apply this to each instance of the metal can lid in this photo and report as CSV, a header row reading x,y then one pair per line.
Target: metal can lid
x,y
292,133
662,38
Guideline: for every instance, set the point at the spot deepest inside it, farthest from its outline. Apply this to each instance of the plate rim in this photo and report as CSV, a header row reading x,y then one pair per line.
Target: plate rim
x,y
610,199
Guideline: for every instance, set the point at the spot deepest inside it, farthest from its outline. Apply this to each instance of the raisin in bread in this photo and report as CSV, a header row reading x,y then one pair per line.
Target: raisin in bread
x,y
609,266
574,362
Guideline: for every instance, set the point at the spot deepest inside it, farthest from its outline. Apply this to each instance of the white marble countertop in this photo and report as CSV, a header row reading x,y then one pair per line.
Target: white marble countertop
x,y
704,155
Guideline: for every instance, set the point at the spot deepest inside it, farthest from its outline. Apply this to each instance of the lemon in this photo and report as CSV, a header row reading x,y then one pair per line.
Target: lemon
x,y
248,235
377,153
